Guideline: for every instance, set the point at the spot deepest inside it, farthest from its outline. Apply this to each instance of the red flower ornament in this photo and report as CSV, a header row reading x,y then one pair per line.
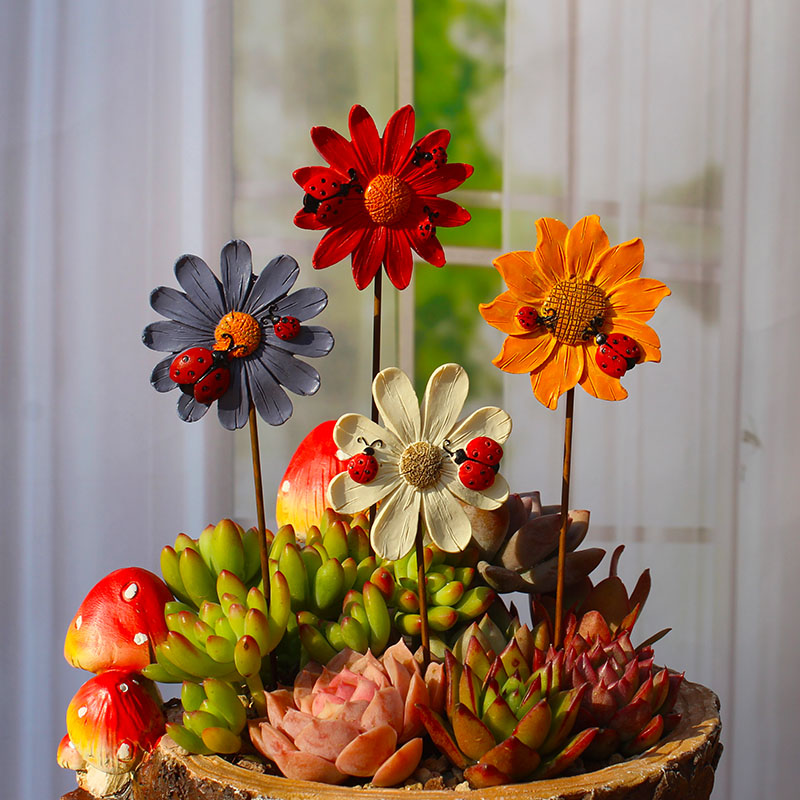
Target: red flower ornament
x,y
379,197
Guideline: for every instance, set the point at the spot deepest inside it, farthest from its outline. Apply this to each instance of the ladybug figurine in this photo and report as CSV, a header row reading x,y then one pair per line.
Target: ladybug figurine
x,y
478,462
202,373
287,328
616,353
363,467
528,318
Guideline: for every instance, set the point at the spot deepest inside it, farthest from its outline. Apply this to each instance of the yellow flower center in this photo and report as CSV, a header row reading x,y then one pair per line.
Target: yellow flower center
x,y
575,305
421,464
239,333
387,199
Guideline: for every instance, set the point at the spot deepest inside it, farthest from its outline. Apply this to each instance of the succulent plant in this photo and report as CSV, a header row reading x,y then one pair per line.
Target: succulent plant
x,y
519,546
214,715
509,713
119,622
357,716
112,721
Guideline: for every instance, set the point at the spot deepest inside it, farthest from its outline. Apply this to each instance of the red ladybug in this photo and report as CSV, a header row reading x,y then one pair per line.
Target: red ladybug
x,y
202,373
475,475
363,467
528,318
484,450
287,328
616,353
439,155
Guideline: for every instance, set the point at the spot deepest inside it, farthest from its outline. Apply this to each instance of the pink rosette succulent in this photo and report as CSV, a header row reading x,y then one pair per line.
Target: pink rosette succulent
x,y
354,717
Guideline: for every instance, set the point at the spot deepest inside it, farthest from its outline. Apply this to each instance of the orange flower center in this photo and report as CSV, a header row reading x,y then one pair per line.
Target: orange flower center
x,y
238,333
387,199
575,304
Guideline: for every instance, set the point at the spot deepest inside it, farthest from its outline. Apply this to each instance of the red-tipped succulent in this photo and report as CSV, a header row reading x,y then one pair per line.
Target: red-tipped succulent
x,y
357,716
112,721
119,622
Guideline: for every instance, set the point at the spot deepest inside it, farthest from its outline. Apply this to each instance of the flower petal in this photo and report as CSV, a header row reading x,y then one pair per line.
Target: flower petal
x,y
291,372
437,138
348,497
313,341
437,181
169,336
234,406
429,250
236,269
618,264
350,429
366,141
444,398
304,304
270,400
336,244
585,241
368,256
487,421
600,385
637,299
397,139
558,374
335,149
549,256
489,499
521,274
275,280
447,214
189,410
395,527
525,353
398,405
159,377
201,285
398,260
176,305
445,520
501,314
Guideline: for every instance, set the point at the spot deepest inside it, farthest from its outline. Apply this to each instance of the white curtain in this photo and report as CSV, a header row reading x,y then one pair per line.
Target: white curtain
x,y
677,122
115,158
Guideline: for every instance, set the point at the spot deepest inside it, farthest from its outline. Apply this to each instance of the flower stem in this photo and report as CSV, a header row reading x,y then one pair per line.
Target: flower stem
x,y
422,594
376,356
562,537
259,489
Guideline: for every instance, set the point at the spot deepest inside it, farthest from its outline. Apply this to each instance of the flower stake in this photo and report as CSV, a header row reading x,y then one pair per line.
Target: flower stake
x,y
235,341
573,294
428,466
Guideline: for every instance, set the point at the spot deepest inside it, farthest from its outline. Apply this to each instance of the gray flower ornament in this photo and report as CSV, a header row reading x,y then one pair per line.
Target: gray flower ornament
x,y
243,332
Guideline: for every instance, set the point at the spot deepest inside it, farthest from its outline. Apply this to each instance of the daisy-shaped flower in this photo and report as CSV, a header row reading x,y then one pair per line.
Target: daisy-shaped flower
x,y
379,197
573,296
417,454
255,320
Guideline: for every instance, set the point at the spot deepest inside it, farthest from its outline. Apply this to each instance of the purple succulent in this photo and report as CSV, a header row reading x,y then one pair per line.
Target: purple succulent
x,y
240,315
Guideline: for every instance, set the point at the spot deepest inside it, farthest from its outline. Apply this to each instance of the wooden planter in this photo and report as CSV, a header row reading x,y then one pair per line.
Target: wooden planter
x,y
679,767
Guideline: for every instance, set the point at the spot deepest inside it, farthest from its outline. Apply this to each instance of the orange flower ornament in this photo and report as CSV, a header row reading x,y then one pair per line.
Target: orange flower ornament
x,y
575,311
379,196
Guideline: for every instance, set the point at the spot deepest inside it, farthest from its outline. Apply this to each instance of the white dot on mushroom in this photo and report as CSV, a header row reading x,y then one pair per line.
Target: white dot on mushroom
x,y
78,622
123,687
130,591
140,638
82,711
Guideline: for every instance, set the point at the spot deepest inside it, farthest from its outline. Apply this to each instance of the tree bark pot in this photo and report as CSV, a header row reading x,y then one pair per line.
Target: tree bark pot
x,y
680,767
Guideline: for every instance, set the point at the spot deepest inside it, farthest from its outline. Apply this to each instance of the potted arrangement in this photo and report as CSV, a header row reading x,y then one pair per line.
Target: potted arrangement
x,y
369,643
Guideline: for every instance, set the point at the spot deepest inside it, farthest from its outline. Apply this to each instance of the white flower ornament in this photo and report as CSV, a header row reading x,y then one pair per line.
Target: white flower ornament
x,y
417,473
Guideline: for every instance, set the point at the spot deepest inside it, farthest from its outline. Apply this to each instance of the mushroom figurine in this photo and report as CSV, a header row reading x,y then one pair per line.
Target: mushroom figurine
x,y
301,496
119,622
112,721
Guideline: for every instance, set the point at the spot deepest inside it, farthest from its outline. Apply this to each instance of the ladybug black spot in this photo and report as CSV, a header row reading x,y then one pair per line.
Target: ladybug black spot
x,y
322,180
184,359
191,373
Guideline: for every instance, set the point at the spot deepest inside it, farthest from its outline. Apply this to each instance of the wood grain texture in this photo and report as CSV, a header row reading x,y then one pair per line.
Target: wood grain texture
x,y
681,767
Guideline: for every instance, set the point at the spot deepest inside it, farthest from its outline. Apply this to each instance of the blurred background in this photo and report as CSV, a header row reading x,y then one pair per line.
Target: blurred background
x,y
133,133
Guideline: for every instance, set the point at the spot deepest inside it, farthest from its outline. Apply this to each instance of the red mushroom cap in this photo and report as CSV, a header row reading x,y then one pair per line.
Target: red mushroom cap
x,y
301,496
119,622
113,720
